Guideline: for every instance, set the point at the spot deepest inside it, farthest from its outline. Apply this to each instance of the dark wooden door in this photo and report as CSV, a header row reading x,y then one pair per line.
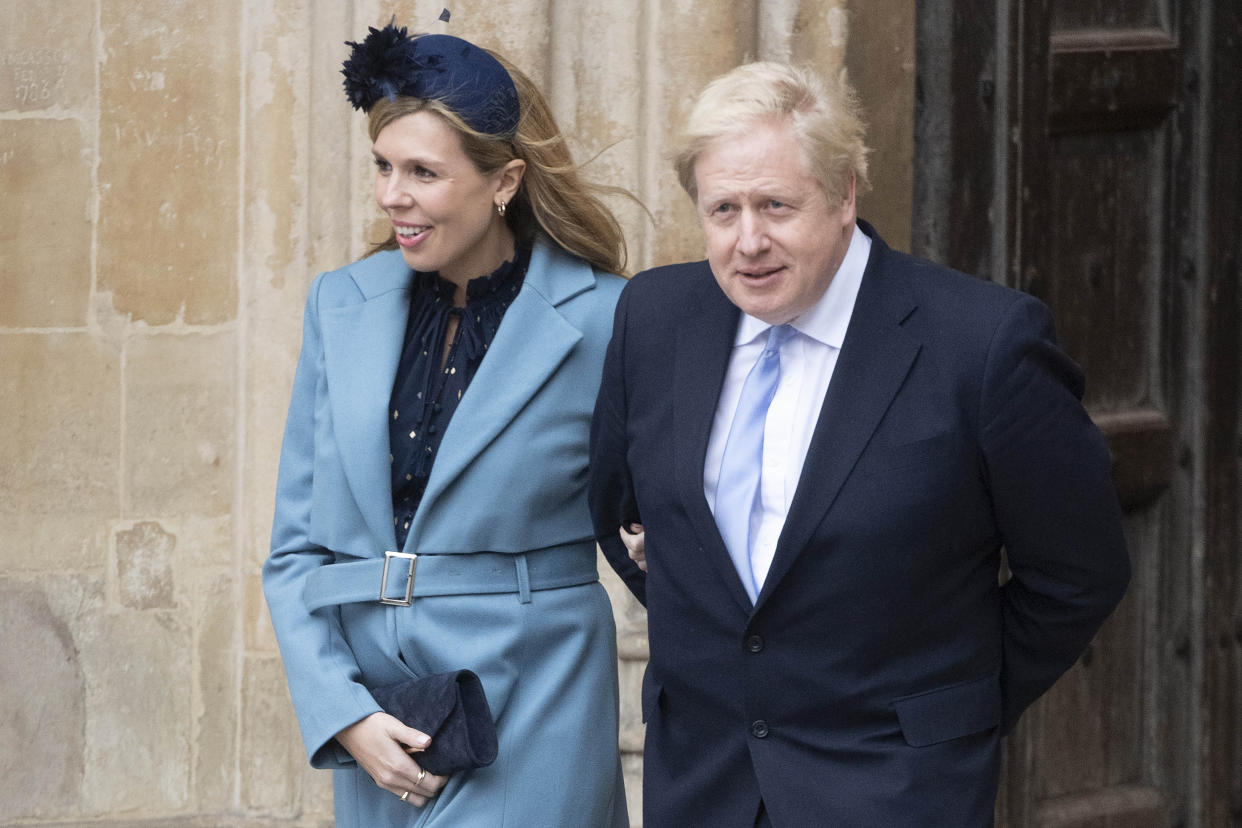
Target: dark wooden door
x,y
1085,151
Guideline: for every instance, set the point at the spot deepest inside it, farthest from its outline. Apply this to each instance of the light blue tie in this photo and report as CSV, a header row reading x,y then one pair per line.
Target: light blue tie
x,y
737,490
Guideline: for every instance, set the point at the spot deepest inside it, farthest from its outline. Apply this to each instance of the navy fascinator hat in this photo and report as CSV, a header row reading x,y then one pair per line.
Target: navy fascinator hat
x,y
455,72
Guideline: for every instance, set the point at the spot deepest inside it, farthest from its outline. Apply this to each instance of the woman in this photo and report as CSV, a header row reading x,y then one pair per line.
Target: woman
x,y
441,408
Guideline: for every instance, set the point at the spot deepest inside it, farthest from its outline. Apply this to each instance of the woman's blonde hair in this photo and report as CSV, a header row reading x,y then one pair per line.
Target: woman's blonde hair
x,y
825,117
553,197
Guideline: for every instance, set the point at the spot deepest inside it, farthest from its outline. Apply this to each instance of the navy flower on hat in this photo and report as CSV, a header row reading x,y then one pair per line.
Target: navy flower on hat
x,y
465,78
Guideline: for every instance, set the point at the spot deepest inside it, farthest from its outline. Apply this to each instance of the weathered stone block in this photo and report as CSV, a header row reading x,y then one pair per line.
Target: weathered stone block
x,y
42,707
144,570
272,339
272,757
316,795
885,29
45,229
169,148
632,770
259,635
518,29
215,708
179,423
202,543
44,59
630,615
630,681
709,44
606,139
60,404
138,735
278,142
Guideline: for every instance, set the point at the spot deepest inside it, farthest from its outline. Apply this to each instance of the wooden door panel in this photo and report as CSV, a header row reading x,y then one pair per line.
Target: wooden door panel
x,y
1124,807
1141,443
1087,151
1111,79
1107,14
1100,85
1097,261
1101,751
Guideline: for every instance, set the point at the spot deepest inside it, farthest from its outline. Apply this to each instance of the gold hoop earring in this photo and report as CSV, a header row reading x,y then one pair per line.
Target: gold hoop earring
x,y
500,209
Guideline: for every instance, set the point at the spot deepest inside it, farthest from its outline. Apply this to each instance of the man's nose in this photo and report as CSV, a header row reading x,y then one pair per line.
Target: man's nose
x,y
752,234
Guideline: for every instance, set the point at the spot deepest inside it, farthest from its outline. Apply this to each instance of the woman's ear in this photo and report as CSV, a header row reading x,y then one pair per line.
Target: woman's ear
x,y
509,179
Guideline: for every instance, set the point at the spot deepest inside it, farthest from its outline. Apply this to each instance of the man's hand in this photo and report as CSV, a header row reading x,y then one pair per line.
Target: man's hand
x,y
382,745
634,540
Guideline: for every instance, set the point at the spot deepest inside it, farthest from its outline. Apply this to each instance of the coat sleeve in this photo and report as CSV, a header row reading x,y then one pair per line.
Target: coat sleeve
x,y
1055,504
611,493
323,675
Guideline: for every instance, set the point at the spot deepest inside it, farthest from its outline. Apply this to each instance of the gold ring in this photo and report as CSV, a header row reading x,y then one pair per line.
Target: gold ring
x,y
421,773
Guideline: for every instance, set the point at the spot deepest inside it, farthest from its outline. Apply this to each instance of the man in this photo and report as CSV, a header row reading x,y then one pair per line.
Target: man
x,y
828,444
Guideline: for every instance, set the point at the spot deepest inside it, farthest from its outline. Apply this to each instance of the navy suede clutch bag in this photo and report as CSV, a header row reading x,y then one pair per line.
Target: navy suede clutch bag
x,y
450,708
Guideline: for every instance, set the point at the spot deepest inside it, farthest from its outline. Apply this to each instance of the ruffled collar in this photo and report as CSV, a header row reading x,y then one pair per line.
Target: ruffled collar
x,y
431,306
480,290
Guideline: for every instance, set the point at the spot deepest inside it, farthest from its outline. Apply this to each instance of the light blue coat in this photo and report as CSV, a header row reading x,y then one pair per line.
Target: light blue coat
x,y
510,477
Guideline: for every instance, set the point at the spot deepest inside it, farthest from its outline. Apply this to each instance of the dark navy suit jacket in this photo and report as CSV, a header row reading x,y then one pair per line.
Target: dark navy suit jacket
x,y
870,683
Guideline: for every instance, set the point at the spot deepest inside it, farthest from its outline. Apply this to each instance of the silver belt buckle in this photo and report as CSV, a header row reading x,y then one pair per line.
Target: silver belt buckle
x,y
409,580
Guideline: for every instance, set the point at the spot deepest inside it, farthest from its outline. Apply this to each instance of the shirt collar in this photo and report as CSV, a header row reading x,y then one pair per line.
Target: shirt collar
x,y
827,320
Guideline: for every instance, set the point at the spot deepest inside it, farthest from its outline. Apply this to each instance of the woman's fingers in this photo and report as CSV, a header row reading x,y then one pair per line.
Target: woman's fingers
x,y
634,539
423,788
430,784
381,744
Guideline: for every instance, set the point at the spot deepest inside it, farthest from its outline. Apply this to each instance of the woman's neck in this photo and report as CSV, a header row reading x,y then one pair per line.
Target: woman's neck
x,y
497,247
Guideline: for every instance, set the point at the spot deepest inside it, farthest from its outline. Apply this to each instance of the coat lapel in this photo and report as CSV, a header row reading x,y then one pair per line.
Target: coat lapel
x,y
704,344
875,358
531,343
362,345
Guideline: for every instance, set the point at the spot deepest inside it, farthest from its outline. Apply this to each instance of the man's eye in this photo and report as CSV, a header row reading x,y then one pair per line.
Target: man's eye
x,y
775,205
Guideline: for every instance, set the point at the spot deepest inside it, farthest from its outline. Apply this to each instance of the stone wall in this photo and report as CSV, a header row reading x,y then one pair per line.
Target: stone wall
x,y
173,174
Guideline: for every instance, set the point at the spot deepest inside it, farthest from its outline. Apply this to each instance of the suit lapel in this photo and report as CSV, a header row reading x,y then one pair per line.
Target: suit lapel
x,y
362,345
875,358
701,357
531,343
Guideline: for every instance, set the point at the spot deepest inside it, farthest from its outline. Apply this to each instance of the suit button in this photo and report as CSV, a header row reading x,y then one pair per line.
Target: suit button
x,y
759,729
754,643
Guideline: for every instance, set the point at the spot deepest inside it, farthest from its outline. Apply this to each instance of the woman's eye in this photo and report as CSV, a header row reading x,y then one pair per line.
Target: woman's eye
x,y
423,172
382,165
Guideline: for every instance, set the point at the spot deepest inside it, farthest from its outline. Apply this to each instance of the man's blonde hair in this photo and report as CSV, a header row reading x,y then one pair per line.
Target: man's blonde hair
x,y
825,118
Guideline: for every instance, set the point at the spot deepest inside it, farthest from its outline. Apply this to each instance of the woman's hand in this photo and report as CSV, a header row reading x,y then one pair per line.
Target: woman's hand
x,y
382,745
634,540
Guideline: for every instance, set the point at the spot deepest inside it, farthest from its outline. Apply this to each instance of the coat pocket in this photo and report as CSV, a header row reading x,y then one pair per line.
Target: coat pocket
x,y
950,712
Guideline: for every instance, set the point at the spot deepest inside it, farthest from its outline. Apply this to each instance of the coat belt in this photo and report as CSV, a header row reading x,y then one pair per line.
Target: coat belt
x,y
474,573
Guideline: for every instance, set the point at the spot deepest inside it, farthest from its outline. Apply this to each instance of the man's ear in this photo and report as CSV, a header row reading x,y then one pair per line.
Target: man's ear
x,y
849,206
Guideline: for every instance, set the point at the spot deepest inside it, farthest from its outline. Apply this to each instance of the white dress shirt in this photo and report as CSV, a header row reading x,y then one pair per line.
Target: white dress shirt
x,y
807,362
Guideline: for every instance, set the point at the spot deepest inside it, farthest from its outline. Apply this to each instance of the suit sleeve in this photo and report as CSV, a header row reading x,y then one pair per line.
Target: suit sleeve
x,y
323,675
1055,503
611,492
